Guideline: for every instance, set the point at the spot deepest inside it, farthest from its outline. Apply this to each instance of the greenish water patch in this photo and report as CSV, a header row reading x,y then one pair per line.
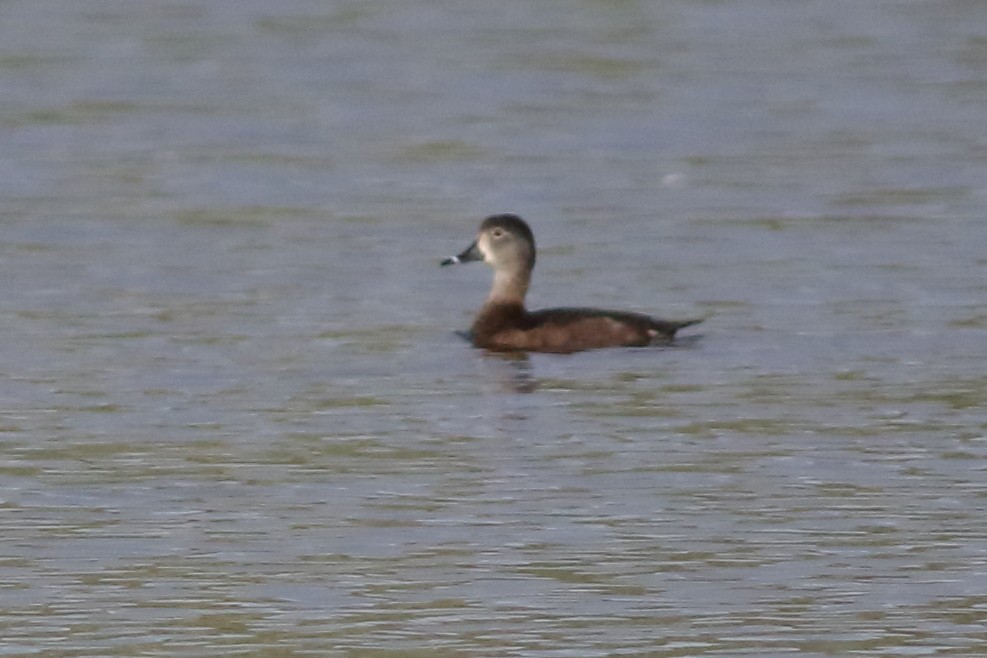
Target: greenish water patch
x,y
20,470
348,402
279,159
181,310
124,335
29,62
699,467
769,388
754,426
958,394
418,505
76,113
102,408
382,339
681,388
958,398
903,196
340,454
851,376
439,150
185,47
359,219
240,215
978,321
313,24
561,572
81,451
770,223
628,409
405,653
610,68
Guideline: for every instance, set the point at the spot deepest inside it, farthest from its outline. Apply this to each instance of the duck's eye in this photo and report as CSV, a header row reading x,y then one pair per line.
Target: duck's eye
x,y
497,232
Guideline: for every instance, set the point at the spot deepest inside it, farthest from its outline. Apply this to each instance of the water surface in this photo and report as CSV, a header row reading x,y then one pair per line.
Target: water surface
x,y
236,418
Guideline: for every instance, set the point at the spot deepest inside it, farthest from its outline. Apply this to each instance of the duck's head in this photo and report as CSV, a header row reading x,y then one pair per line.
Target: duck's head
x,y
505,242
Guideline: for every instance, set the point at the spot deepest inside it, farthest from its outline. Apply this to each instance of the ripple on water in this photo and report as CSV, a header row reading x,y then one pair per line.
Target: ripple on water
x,y
236,420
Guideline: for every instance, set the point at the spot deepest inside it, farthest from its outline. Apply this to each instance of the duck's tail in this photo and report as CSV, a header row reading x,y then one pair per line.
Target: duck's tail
x,y
667,328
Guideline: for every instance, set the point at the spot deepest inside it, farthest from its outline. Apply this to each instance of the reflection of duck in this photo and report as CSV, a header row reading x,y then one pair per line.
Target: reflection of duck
x,y
506,243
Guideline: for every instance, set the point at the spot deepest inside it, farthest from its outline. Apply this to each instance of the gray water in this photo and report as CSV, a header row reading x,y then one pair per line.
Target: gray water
x,y
236,418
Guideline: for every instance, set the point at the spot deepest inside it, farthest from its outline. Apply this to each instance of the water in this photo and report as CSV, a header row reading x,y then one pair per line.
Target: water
x,y
236,419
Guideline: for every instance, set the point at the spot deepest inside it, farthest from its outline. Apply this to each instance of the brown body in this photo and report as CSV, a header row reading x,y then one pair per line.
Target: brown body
x,y
509,327
503,324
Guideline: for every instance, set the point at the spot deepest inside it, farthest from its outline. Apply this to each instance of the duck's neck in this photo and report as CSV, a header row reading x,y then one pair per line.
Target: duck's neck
x,y
509,288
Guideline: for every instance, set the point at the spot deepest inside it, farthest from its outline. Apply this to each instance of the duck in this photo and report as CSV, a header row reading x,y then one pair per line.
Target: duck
x,y
506,243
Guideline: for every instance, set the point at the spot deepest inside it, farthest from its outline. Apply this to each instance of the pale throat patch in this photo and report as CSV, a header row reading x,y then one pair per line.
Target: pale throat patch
x,y
482,244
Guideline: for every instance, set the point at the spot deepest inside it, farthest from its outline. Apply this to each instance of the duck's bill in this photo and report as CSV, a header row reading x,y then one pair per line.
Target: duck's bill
x,y
470,254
